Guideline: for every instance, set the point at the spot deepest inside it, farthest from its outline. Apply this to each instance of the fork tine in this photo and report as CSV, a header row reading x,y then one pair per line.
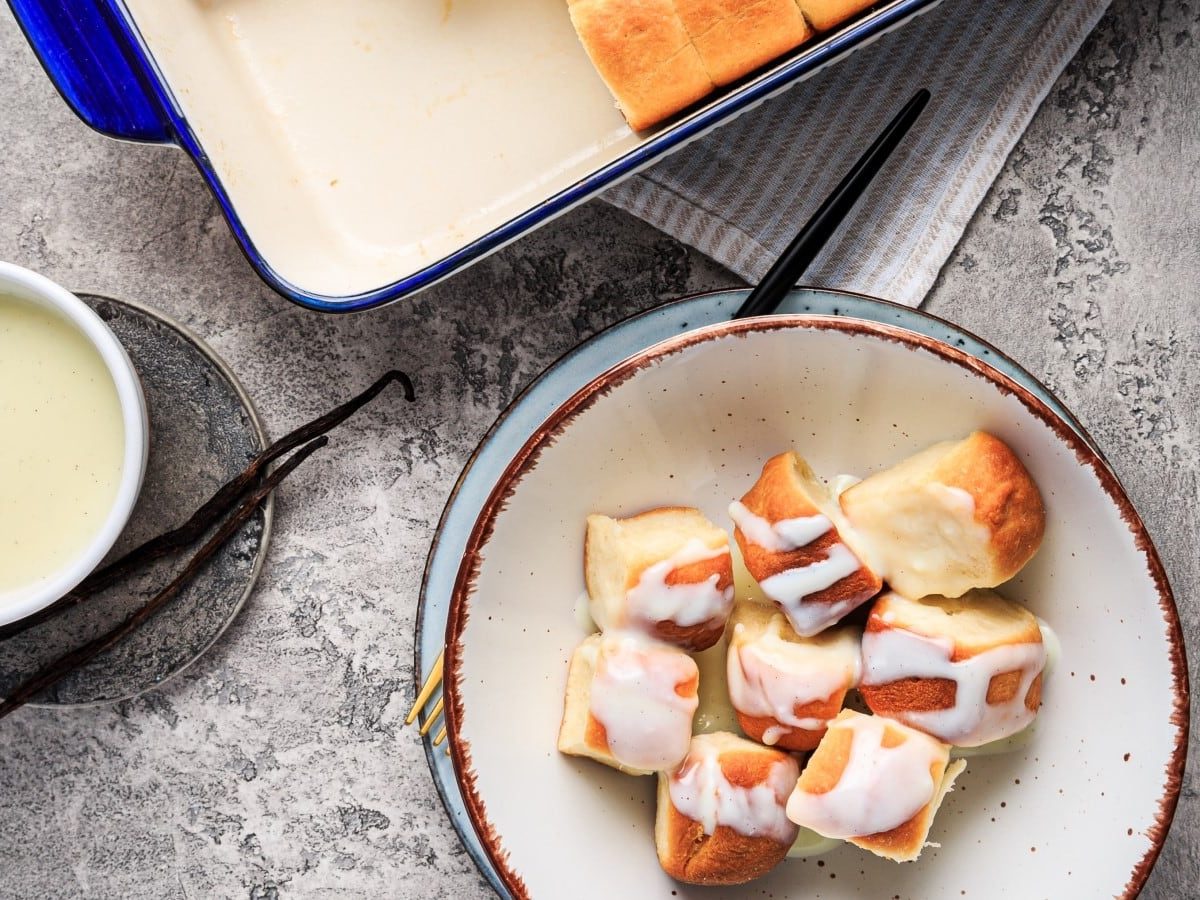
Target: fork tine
x,y
441,736
432,717
427,689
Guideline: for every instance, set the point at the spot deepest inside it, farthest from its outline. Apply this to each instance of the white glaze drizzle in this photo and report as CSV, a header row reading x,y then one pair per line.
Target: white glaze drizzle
x,y
880,788
784,535
923,548
790,587
633,695
773,734
894,654
652,600
771,676
843,483
958,530
1024,737
953,498
700,791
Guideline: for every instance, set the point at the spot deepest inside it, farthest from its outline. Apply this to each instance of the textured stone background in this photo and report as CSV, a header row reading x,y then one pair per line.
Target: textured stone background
x,y
277,765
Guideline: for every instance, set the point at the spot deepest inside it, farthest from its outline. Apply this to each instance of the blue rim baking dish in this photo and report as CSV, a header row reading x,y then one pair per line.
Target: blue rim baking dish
x,y
101,65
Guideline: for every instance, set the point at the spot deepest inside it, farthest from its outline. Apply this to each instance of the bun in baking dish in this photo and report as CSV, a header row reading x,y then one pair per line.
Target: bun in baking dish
x,y
666,572
825,14
629,704
721,817
642,51
786,688
735,37
967,670
958,515
874,783
796,546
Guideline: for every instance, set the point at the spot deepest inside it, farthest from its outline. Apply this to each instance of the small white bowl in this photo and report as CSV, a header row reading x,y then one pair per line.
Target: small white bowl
x,y
23,284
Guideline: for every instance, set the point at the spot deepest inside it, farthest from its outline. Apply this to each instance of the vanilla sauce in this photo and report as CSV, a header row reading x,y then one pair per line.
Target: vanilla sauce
x,y
62,443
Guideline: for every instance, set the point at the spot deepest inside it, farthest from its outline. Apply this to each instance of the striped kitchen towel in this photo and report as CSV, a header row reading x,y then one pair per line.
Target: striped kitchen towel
x,y
740,193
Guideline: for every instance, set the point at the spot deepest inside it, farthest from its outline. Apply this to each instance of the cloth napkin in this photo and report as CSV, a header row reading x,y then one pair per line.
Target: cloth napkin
x,y
740,194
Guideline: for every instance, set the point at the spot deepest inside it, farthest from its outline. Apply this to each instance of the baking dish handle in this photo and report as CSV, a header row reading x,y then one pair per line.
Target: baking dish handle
x,y
84,49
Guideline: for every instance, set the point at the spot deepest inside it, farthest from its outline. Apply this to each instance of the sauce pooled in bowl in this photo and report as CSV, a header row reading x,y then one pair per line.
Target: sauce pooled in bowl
x,y
62,443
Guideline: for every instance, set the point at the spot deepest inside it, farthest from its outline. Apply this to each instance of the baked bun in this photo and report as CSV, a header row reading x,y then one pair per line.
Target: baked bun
x,y
643,53
874,783
783,687
825,14
735,37
791,545
959,515
629,703
721,817
666,572
967,671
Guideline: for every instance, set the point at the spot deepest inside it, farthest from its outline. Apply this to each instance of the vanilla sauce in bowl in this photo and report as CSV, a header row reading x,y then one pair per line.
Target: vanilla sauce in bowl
x,y
62,443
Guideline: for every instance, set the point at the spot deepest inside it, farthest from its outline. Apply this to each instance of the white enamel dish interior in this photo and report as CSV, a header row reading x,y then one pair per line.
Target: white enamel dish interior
x,y
364,140
1076,813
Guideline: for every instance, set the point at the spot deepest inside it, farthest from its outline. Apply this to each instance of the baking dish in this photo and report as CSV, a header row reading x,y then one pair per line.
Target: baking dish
x,y
362,151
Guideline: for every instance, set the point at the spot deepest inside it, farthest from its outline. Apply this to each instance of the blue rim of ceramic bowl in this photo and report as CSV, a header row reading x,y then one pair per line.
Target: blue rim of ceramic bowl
x,y
130,52
560,381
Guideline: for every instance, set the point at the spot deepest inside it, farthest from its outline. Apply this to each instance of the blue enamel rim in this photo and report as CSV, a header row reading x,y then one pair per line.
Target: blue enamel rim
x,y
124,73
558,383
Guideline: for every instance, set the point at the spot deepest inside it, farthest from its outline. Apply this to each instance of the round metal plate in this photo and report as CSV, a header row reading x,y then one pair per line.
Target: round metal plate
x,y
203,431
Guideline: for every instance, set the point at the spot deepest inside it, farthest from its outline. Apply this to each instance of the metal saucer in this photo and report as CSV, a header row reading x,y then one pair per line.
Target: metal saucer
x,y
203,430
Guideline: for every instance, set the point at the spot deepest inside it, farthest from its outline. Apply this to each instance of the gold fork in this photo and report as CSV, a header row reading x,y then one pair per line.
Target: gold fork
x,y
432,682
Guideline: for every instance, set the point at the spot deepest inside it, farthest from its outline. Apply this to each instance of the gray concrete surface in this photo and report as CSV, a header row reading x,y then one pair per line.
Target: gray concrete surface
x,y
277,766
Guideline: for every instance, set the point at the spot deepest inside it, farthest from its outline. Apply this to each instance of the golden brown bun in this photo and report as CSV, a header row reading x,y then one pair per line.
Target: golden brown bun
x,y
825,768
958,515
686,852
617,552
756,622
642,51
788,489
974,623
580,733
735,37
904,844
824,14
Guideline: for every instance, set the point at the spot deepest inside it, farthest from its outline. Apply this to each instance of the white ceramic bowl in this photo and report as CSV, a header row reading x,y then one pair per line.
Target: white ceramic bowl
x,y
1081,811
34,288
